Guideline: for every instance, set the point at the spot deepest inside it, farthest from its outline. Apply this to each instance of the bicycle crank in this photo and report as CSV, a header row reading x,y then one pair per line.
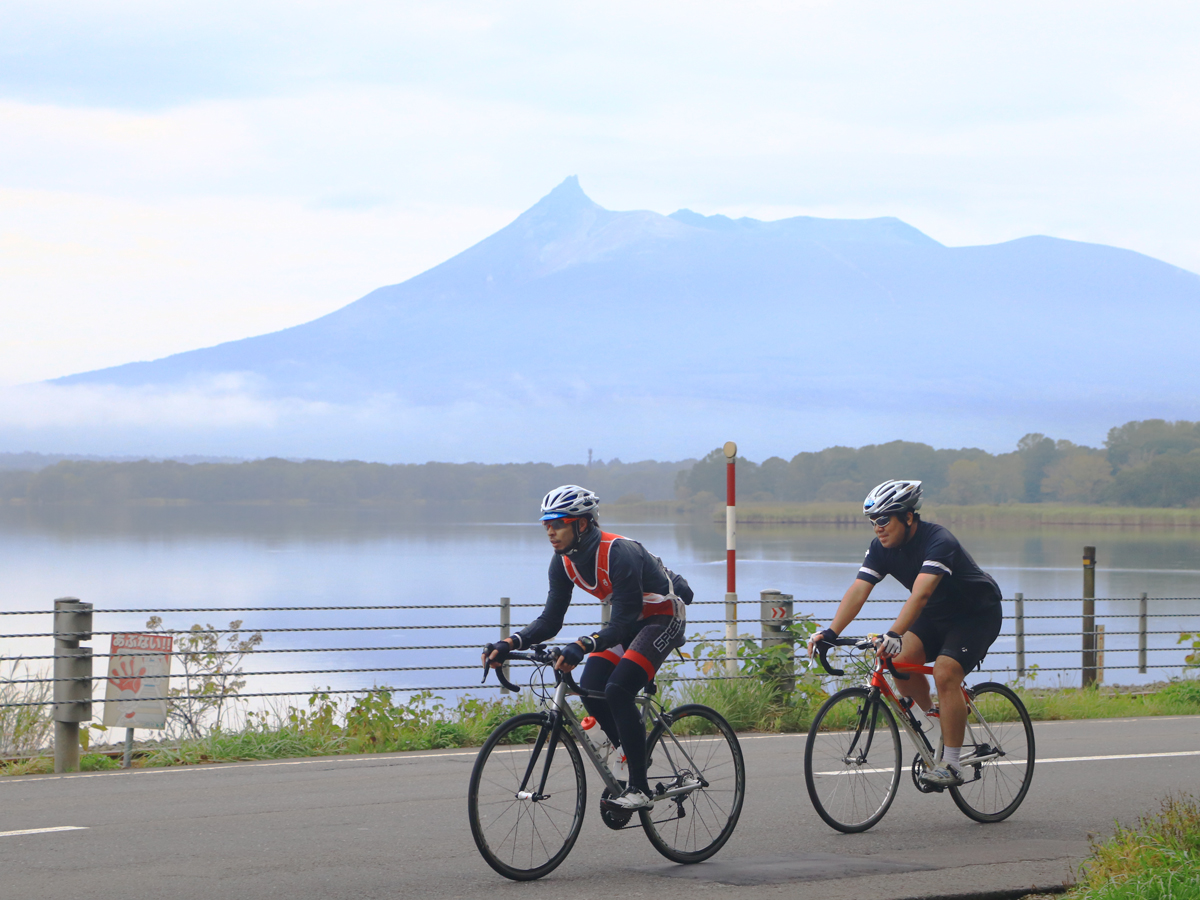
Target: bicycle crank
x,y
613,816
918,768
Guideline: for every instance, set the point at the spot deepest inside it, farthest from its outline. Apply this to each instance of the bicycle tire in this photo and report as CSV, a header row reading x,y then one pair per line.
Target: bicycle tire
x,y
996,787
852,793
524,839
692,827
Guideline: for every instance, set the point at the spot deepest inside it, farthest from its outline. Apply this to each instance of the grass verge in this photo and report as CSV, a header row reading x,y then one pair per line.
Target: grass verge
x,y
1156,859
378,723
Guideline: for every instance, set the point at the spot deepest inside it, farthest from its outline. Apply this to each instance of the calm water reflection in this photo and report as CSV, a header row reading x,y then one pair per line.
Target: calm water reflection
x,y
173,558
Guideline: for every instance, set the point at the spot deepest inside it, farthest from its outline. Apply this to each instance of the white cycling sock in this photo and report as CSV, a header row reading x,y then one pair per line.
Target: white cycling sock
x,y
950,756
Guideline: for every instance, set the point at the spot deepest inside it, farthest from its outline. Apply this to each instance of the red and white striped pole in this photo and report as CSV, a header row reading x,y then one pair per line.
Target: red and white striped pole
x,y
731,631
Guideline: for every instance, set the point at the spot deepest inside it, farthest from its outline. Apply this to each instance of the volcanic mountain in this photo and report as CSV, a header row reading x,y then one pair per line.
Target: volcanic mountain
x,y
576,326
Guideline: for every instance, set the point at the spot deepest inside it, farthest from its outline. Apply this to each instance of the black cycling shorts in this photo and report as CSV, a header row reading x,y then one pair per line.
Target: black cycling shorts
x,y
656,637
965,638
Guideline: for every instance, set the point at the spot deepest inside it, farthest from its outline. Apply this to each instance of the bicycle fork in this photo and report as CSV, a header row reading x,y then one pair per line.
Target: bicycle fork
x,y
549,730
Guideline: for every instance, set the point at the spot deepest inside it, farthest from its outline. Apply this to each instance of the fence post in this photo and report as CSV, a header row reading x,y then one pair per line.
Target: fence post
x,y
1089,616
505,631
1099,654
1019,624
73,697
775,608
731,624
1142,634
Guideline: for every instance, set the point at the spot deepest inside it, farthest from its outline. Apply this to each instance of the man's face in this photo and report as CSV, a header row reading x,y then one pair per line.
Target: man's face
x,y
561,532
893,533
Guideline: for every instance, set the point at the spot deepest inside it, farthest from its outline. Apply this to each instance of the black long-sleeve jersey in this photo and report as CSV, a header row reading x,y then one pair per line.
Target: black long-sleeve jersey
x,y
633,571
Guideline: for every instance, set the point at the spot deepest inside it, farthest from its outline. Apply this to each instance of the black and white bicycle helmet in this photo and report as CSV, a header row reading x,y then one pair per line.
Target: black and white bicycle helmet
x,y
893,497
569,500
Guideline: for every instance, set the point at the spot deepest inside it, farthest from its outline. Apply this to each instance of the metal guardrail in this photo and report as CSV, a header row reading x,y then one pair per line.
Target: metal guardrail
x,y
74,680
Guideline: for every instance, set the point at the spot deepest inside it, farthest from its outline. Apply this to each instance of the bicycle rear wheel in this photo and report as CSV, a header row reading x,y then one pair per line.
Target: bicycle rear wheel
x,y
524,838
852,760
699,749
1000,730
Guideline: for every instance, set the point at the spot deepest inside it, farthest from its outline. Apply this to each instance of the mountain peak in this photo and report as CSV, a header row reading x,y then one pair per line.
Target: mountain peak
x,y
565,200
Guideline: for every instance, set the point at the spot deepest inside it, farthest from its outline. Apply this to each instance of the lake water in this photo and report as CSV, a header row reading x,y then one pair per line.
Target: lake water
x,y
171,559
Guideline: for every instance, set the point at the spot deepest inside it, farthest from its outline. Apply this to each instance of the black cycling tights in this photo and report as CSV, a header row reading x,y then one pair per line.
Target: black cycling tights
x,y
617,714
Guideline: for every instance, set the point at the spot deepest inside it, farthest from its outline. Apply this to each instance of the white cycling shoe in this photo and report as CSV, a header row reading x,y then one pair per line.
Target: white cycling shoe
x,y
632,799
944,775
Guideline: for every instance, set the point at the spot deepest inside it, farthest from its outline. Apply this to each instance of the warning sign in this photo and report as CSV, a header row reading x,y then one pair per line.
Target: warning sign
x,y
136,696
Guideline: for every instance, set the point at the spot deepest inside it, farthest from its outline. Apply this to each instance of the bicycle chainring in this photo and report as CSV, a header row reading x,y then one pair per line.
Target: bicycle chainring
x,y
616,819
918,766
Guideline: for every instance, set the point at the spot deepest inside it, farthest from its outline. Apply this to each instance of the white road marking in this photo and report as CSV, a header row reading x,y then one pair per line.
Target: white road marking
x,y
44,830
1059,759
1054,759
471,752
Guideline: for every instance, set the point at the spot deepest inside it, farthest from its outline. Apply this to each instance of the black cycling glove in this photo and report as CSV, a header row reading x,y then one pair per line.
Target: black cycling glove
x,y
828,636
502,648
573,654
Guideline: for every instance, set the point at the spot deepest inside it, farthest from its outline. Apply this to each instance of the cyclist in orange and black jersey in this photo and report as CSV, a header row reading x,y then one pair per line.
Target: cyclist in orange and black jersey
x,y
647,622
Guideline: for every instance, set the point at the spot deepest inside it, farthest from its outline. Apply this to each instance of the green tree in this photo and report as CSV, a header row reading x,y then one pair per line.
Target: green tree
x,y
1037,452
1078,478
1136,443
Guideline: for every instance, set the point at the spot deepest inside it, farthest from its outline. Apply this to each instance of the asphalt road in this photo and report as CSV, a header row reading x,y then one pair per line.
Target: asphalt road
x,y
395,826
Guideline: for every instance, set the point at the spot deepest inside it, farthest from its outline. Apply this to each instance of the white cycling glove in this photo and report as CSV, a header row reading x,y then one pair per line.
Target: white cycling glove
x,y
890,644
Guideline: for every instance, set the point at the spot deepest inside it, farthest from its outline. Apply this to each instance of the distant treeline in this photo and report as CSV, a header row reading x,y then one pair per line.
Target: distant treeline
x,y
1146,463
448,486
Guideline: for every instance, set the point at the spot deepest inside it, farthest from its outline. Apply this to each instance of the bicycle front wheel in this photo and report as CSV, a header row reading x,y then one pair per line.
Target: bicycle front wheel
x,y
524,834
1000,735
852,760
699,756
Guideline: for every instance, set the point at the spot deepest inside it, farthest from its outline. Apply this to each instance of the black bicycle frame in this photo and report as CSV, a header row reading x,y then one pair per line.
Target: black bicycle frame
x,y
551,729
871,707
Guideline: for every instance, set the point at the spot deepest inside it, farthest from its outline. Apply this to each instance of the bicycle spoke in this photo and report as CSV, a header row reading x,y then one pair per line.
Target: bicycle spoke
x,y
852,760
525,838
695,824
997,722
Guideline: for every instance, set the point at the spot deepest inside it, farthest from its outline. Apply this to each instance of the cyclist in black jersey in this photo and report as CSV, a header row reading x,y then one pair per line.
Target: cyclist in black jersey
x,y
647,623
951,618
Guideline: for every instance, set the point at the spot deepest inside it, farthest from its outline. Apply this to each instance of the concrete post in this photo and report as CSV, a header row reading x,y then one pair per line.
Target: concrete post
x,y
1019,624
505,631
775,609
72,698
1089,616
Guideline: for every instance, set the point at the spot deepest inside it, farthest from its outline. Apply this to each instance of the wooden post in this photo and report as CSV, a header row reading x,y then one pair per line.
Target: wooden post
x,y
1142,634
1019,624
1099,654
1089,616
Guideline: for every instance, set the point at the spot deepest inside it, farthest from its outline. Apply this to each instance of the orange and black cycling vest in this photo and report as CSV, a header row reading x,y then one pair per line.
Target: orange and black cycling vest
x,y
602,590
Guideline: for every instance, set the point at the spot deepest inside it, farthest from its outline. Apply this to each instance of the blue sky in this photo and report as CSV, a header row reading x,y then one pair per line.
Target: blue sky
x,y
175,175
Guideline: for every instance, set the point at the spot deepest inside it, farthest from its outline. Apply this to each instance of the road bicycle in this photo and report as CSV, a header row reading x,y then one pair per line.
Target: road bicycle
x,y
528,789
853,756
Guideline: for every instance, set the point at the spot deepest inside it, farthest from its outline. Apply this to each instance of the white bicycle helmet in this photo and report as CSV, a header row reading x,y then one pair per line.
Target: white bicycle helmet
x,y
569,500
893,497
